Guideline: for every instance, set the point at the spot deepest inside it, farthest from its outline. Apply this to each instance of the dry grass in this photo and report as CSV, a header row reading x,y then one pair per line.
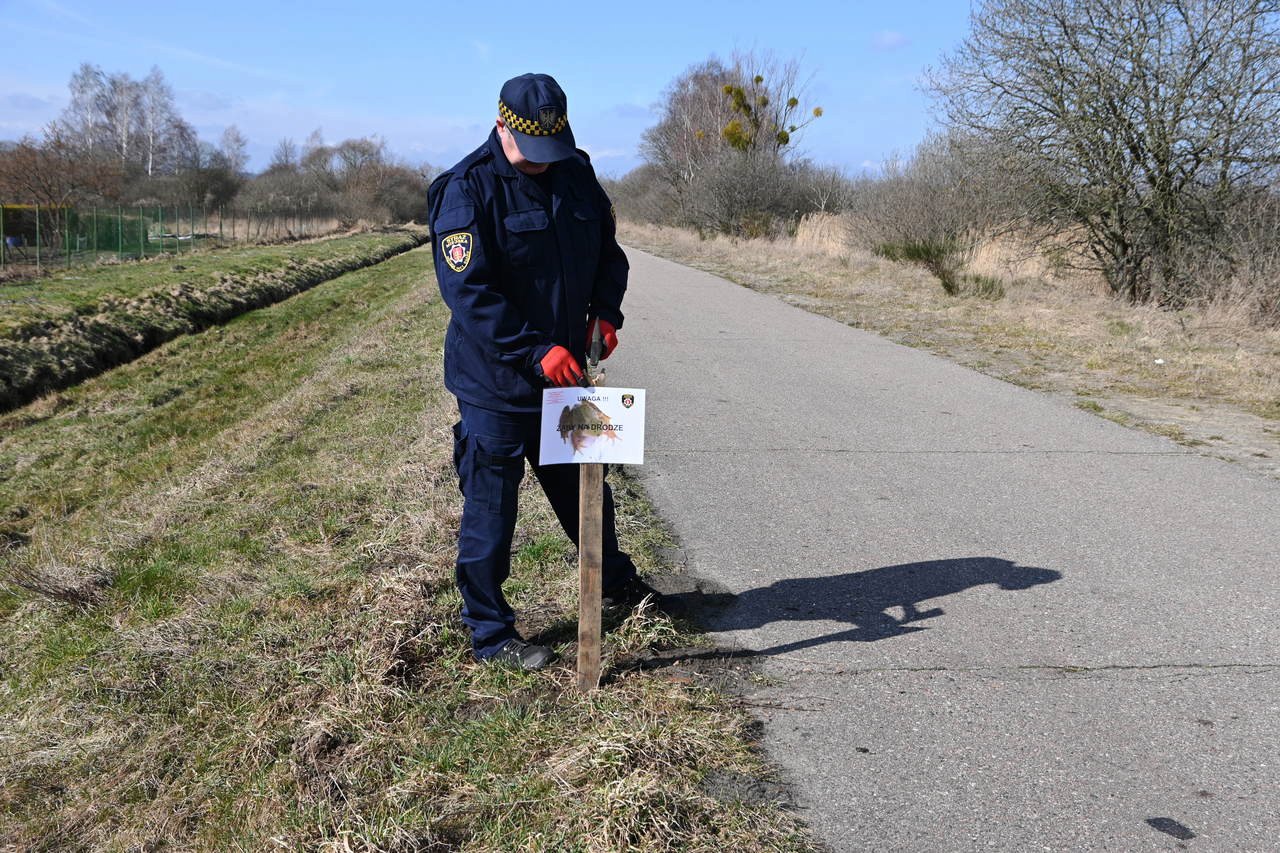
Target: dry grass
x,y
1208,373
270,657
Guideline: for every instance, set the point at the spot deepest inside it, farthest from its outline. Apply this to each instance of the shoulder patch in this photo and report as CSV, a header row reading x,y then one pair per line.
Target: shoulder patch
x,y
456,250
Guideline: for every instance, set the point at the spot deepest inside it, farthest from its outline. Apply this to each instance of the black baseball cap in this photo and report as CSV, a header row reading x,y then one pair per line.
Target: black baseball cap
x,y
535,110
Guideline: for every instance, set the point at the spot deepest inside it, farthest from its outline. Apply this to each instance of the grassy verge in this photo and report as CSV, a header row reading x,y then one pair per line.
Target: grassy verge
x,y
60,329
1206,379
230,621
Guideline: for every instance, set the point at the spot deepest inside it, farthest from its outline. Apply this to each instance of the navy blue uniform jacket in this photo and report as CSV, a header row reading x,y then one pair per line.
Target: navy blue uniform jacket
x,y
520,269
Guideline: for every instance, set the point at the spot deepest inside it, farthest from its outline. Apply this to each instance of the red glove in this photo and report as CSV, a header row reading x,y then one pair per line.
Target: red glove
x,y
560,368
608,336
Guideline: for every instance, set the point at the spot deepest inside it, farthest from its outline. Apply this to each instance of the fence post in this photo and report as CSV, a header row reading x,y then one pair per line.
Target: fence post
x,y
4,244
119,232
142,234
95,234
37,239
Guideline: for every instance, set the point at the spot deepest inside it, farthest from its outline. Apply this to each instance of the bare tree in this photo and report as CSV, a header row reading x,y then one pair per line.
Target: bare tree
x,y
54,173
81,122
158,114
285,156
687,136
767,103
722,144
934,207
827,188
234,148
1140,120
121,109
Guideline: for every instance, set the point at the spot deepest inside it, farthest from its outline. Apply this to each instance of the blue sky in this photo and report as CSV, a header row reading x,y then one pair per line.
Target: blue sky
x,y
425,76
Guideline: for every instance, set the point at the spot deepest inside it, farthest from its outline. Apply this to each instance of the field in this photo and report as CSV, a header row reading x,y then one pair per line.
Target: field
x,y
230,619
63,328
1205,378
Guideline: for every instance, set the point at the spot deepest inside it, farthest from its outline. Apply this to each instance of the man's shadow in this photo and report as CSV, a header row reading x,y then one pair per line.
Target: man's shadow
x,y
863,599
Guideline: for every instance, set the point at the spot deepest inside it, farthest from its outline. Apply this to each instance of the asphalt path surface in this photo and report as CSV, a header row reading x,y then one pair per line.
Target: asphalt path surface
x,y
985,620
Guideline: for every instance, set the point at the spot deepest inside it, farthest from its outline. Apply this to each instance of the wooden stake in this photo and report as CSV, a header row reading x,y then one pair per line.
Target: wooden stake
x,y
590,559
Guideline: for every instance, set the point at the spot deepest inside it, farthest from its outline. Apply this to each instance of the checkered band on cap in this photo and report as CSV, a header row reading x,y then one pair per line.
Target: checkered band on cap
x,y
530,126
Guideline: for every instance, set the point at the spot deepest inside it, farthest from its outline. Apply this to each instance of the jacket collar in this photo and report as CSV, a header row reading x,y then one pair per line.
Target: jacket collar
x,y
500,163
560,185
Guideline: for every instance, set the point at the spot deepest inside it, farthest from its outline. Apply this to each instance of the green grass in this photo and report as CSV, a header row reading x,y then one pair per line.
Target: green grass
x,y
940,257
65,328
259,645
78,289
983,286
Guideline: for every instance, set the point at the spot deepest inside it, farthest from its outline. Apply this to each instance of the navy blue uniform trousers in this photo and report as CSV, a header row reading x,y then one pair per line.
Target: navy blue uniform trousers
x,y
489,450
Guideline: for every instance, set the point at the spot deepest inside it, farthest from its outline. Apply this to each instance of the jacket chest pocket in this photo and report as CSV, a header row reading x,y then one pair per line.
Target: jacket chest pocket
x,y
586,226
529,239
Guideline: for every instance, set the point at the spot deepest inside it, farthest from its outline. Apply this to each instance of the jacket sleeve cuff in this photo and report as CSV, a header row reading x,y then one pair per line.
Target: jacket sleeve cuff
x,y
536,355
613,315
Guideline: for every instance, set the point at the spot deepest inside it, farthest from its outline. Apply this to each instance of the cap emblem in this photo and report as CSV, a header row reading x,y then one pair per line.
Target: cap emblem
x,y
550,121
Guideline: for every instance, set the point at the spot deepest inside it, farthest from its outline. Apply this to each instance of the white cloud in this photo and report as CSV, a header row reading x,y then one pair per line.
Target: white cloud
x,y
889,40
23,102
607,153
106,37
63,12
636,111
199,99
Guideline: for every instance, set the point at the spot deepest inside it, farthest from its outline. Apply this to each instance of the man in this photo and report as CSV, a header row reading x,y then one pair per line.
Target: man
x,y
528,263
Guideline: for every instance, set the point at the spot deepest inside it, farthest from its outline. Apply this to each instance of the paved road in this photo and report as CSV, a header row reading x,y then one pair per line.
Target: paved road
x,y
989,620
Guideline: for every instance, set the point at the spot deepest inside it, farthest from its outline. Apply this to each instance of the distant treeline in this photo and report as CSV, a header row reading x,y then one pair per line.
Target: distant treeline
x,y
1139,141
122,141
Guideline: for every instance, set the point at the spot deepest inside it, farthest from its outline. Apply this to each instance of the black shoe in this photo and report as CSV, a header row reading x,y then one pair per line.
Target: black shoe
x,y
630,593
518,654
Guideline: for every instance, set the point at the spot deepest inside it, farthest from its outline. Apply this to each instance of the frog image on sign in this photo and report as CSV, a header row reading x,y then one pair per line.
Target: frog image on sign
x,y
584,424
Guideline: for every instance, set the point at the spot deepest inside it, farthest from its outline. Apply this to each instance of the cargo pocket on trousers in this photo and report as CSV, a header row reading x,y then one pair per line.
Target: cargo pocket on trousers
x,y
499,468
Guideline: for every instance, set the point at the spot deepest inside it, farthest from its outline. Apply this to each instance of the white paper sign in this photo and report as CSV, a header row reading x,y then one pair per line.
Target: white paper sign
x,y
592,425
